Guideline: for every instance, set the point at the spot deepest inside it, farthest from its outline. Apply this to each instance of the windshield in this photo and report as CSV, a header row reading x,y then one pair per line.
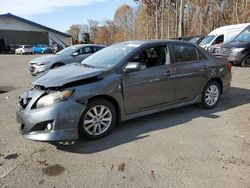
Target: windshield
x,y
229,39
67,51
244,36
110,56
207,40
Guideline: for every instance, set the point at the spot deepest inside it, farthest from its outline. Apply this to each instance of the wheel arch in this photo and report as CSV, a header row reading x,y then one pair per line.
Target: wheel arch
x,y
219,81
56,63
110,99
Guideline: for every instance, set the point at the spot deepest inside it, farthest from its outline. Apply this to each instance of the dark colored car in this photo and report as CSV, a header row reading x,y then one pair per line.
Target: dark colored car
x,y
238,50
120,82
10,49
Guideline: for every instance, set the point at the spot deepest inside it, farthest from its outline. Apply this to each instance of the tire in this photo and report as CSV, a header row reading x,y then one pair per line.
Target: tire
x,y
92,124
210,95
57,65
246,61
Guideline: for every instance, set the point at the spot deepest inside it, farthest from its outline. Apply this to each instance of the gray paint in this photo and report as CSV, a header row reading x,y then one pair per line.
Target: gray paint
x,y
138,93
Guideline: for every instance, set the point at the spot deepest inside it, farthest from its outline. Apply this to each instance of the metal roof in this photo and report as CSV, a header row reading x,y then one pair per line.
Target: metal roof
x,y
34,24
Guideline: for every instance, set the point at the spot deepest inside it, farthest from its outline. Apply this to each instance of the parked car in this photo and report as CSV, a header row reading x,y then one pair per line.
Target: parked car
x,y
41,49
222,34
238,50
10,49
24,49
72,54
120,82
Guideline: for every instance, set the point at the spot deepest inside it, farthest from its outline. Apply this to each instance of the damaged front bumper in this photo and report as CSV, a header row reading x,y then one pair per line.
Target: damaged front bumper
x,y
57,122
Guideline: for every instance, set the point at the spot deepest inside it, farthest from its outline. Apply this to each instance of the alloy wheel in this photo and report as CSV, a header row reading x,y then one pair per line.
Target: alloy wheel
x,y
97,120
212,95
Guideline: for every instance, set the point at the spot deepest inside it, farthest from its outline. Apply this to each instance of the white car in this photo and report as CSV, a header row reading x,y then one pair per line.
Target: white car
x,y
222,35
24,49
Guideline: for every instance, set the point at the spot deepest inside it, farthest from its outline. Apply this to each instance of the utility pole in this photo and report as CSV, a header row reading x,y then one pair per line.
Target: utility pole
x,y
181,19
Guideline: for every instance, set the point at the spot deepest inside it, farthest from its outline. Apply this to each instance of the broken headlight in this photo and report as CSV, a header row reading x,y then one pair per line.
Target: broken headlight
x,y
53,98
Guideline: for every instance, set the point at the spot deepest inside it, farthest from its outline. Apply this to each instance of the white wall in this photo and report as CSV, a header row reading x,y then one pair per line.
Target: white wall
x,y
7,23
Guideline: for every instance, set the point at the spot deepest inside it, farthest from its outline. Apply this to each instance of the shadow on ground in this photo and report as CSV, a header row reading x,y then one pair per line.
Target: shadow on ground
x,y
133,130
5,89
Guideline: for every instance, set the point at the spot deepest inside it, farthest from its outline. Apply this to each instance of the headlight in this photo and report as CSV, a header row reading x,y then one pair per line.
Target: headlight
x,y
53,98
236,50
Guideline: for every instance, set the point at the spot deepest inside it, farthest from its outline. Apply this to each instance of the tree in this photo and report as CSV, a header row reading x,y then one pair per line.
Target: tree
x,y
75,31
124,19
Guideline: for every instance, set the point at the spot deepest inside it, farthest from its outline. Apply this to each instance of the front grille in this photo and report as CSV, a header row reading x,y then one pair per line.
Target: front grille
x,y
225,51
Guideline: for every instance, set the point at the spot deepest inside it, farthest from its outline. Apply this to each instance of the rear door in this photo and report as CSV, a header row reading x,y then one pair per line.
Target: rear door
x,y
191,66
152,85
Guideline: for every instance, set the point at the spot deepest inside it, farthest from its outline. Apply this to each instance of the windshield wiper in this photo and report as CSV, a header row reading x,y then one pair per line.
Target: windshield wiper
x,y
88,65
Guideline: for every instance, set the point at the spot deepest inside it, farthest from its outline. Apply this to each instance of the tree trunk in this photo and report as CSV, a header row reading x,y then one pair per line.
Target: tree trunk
x,y
181,18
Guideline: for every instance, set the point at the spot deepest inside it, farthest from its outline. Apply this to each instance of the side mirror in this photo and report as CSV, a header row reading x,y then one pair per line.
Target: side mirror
x,y
75,54
132,67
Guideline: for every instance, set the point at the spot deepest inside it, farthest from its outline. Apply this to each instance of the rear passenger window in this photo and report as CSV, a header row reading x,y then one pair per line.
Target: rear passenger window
x,y
184,52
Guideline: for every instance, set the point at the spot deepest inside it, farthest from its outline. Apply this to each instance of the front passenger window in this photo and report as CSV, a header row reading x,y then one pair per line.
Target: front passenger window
x,y
85,50
150,57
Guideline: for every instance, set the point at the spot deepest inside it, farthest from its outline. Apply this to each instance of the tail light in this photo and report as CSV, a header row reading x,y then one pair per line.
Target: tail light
x,y
229,67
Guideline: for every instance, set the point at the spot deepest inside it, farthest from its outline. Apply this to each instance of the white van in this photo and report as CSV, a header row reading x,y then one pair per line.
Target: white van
x,y
222,35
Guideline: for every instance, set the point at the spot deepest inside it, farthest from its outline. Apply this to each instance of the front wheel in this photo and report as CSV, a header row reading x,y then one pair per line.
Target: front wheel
x,y
210,95
246,61
98,119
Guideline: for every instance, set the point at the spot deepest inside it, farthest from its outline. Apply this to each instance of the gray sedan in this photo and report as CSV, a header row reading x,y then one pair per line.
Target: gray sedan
x,y
72,54
123,81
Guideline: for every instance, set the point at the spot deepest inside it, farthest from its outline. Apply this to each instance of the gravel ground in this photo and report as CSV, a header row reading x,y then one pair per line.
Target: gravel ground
x,y
184,147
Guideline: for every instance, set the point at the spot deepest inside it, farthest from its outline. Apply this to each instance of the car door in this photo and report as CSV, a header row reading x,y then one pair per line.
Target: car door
x,y
152,85
190,65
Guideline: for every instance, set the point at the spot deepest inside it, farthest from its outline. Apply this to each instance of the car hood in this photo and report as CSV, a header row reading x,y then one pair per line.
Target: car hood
x,y
66,74
48,58
236,44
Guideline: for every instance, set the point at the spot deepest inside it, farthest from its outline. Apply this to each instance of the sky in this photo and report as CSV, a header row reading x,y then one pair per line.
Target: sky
x,y
61,14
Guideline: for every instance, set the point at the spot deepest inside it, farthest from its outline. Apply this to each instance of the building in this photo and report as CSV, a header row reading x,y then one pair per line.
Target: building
x,y
15,30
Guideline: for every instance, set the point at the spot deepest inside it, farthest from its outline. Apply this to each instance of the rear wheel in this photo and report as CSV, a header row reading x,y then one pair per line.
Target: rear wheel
x,y
246,61
211,95
98,119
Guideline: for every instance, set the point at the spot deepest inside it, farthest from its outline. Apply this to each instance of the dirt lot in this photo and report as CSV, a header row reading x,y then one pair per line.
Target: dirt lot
x,y
185,147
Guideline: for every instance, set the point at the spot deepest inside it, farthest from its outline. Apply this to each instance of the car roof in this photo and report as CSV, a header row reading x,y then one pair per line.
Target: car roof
x,y
155,41
223,29
82,45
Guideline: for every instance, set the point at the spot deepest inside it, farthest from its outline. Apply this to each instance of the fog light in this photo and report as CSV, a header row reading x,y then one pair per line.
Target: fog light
x,y
49,126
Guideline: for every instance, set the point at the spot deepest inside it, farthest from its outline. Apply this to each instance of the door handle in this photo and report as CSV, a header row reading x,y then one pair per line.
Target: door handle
x,y
204,67
168,73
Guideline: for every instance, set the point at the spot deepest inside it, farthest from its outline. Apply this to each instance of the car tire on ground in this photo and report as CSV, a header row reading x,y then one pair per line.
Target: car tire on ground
x,y
210,95
246,61
98,119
